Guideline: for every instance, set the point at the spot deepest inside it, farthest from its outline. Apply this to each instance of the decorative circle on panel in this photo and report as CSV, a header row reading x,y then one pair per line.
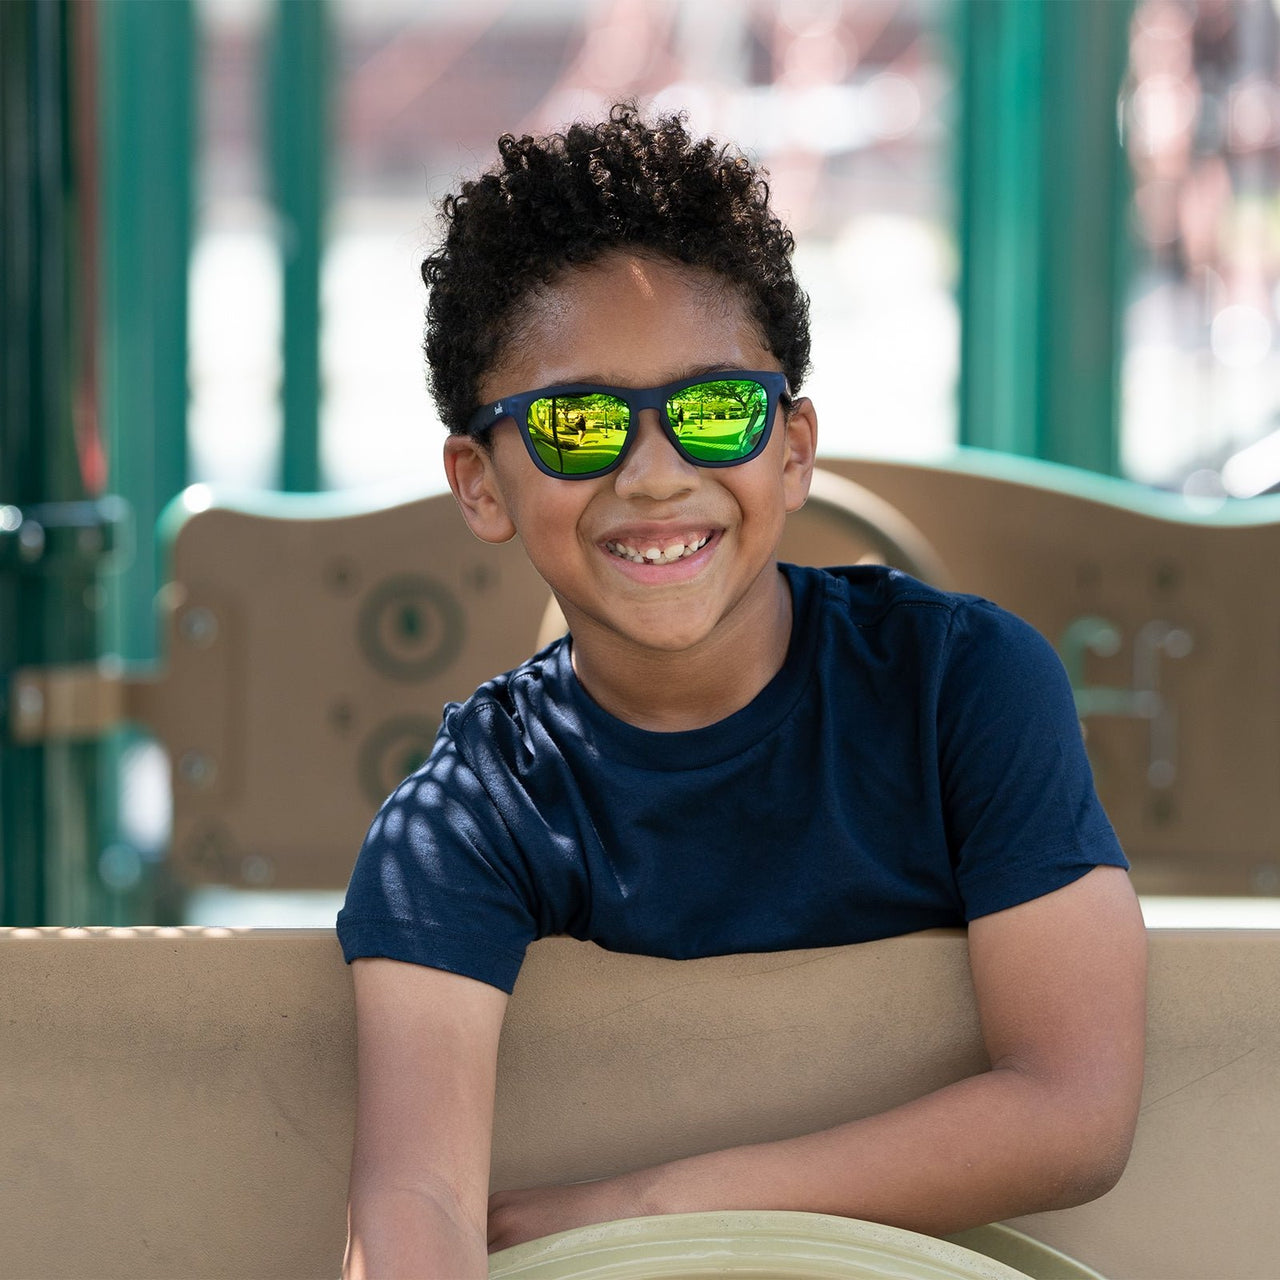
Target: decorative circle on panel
x,y
392,752
411,628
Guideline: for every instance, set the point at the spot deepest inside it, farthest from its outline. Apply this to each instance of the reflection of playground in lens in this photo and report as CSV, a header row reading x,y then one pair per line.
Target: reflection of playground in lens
x,y
574,434
716,421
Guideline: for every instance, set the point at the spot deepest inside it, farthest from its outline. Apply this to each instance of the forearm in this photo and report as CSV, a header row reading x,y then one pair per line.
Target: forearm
x,y
401,1234
983,1149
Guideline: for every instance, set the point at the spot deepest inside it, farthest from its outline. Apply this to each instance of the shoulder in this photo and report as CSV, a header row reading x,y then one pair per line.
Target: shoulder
x,y
873,595
878,599
506,708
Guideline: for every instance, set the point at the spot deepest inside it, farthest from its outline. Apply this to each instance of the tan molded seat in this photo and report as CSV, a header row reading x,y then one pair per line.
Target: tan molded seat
x,y
1168,620
180,1102
310,648
309,651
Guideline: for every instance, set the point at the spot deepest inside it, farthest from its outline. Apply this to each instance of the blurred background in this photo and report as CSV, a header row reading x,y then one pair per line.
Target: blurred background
x,y
1047,229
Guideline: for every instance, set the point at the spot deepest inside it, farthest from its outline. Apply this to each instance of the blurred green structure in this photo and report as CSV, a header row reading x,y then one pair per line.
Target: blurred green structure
x,y
97,138
1042,227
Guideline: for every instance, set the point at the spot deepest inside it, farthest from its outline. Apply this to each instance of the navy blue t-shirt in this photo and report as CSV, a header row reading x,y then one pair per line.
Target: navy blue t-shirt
x,y
916,762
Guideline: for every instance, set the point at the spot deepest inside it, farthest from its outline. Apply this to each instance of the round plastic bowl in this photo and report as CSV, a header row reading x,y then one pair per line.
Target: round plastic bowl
x,y
776,1246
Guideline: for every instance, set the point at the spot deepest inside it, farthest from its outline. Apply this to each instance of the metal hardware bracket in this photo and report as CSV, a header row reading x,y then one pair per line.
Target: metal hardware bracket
x,y
82,700
50,536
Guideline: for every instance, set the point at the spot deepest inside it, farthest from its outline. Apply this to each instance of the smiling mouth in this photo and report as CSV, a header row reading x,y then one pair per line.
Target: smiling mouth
x,y
652,553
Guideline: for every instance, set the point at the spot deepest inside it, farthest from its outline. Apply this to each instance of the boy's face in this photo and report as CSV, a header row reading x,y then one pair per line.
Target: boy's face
x,y
635,321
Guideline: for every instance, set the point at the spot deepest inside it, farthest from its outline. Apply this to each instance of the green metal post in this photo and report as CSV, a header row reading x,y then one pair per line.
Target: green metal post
x,y
298,114
1042,227
146,113
49,602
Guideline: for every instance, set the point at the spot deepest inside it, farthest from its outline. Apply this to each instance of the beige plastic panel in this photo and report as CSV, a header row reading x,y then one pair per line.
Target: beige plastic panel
x,y
307,661
1188,759
180,1103
307,665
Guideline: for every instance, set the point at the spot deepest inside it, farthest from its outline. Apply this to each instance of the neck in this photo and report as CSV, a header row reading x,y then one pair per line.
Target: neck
x,y
670,692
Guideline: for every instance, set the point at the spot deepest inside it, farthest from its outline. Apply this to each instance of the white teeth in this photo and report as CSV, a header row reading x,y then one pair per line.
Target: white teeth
x,y
656,555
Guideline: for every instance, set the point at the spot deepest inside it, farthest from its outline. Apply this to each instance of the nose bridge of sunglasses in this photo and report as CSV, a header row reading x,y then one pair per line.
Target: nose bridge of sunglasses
x,y
654,429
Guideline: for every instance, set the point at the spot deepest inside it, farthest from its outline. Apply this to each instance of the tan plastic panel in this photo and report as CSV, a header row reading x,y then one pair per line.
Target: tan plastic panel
x,y
308,661
179,1103
1171,626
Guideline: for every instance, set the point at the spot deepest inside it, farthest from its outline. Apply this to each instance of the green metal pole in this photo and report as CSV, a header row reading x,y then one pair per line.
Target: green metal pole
x,y
1086,54
1042,226
147,127
298,115
50,537
999,209
146,116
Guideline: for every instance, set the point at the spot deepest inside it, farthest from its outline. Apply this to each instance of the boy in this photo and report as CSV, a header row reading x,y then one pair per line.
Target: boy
x,y
724,754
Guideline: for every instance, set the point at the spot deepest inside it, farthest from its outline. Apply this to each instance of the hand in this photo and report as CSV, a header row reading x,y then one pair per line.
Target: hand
x,y
517,1216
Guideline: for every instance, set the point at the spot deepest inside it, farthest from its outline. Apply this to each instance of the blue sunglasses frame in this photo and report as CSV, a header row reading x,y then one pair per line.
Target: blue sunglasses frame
x,y
636,399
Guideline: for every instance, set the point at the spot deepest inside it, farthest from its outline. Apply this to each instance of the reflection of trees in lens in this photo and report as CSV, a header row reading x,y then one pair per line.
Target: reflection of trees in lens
x,y
719,419
577,434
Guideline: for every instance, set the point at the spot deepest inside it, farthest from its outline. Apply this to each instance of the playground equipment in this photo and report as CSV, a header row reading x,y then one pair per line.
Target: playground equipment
x,y
179,1101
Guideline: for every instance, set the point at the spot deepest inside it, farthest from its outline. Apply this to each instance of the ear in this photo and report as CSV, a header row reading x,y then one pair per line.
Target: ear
x,y
801,447
469,467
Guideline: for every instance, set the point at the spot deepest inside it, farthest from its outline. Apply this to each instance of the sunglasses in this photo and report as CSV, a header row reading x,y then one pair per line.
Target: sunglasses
x,y
583,430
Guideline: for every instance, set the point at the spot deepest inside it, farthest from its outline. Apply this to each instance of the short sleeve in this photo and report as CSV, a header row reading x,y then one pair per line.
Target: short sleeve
x,y
429,886
1022,815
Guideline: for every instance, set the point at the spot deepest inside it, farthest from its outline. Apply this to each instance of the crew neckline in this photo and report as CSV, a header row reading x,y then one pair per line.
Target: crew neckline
x,y
698,748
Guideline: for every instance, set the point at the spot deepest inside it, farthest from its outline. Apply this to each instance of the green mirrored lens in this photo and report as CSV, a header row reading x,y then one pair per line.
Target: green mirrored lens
x,y
719,420
576,435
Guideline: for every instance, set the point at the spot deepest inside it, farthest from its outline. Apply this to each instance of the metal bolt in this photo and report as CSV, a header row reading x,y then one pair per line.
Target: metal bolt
x,y
1178,643
120,867
30,540
256,869
197,769
341,576
30,700
1266,878
198,626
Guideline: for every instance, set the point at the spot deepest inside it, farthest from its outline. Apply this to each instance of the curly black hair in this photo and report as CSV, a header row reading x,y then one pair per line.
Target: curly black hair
x,y
566,199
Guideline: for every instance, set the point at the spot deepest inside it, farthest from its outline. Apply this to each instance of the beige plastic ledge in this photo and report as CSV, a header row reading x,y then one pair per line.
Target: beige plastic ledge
x,y
179,1102
782,1246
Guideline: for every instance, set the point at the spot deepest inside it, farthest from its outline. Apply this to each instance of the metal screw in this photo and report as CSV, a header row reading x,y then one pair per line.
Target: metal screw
x,y
197,769
30,540
256,869
120,867
30,702
341,576
1266,878
198,626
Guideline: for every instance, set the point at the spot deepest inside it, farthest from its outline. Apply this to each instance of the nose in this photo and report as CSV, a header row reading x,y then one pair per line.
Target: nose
x,y
653,468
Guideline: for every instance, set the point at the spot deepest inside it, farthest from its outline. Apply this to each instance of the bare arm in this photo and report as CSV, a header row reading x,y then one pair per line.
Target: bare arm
x,y
1060,984
426,1061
